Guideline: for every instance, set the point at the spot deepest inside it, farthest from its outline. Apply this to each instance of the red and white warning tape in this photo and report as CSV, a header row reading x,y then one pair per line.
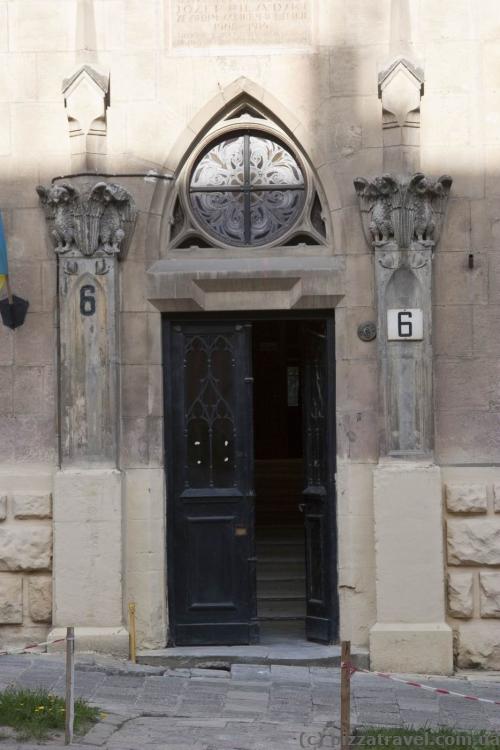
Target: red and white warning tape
x,y
26,649
440,691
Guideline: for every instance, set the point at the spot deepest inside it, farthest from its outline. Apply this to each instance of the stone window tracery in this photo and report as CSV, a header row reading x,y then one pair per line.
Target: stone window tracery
x,y
245,186
247,189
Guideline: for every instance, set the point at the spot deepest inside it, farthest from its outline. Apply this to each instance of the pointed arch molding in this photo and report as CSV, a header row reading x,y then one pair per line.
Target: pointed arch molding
x,y
206,276
240,91
244,90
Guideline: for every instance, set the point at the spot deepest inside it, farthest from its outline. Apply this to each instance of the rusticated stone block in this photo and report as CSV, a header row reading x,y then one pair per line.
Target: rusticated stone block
x,y
460,594
11,599
490,594
40,598
25,547
466,498
3,507
496,492
474,541
478,645
32,506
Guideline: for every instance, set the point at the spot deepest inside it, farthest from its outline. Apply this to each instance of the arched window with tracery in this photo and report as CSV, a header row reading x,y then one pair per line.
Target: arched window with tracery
x,y
246,185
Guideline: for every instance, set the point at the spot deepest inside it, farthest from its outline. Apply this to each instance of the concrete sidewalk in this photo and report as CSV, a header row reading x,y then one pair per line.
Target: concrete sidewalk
x,y
250,707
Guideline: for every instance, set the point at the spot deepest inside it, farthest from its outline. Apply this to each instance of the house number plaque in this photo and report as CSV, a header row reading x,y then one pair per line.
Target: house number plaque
x,y
405,324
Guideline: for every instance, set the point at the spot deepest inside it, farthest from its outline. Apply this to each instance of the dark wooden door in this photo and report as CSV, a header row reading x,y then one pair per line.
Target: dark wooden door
x,y
318,400
211,557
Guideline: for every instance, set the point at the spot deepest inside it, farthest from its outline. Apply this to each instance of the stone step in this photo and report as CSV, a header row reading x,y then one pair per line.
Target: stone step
x,y
281,619
279,569
280,587
285,551
293,571
292,652
282,607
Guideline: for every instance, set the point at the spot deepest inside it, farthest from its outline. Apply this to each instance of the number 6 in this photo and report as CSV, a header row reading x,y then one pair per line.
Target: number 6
x,y
87,300
405,327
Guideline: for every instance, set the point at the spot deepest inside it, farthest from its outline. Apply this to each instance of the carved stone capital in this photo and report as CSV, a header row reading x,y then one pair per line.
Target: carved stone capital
x,y
402,210
90,220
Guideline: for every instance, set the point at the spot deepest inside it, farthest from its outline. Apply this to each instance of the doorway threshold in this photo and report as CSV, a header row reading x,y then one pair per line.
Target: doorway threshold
x,y
278,645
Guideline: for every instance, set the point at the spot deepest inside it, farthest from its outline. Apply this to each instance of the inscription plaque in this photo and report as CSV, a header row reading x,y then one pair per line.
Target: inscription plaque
x,y
213,23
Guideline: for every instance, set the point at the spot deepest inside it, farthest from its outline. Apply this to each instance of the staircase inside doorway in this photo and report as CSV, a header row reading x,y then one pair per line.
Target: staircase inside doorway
x,y
280,547
279,480
281,577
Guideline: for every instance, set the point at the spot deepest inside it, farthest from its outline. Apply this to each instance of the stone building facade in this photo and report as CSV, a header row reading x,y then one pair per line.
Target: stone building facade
x,y
379,122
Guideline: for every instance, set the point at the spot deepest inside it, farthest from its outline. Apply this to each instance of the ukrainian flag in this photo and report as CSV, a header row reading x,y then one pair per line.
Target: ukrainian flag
x,y
4,268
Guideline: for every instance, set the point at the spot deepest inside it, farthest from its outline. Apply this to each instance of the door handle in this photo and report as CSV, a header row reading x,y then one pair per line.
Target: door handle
x,y
301,507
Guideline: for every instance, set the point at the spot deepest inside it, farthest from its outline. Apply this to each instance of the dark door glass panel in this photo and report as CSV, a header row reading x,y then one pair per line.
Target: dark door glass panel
x,y
209,408
223,453
198,445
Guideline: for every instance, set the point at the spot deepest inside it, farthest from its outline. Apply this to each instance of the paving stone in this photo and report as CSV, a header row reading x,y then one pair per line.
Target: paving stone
x,y
290,674
250,672
251,708
210,673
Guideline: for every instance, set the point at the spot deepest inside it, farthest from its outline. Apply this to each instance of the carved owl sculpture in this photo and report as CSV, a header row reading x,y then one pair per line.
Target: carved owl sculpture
x,y
425,201
113,210
58,205
421,193
377,199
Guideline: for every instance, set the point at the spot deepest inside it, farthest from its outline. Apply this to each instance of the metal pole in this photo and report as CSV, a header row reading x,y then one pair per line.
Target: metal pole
x,y
345,696
70,685
132,631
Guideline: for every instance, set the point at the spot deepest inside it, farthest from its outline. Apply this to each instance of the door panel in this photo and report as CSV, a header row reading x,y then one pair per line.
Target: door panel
x,y
210,484
318,400
211,574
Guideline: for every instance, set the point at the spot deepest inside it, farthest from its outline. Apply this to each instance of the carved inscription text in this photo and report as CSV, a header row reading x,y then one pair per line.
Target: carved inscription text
x,y
205,23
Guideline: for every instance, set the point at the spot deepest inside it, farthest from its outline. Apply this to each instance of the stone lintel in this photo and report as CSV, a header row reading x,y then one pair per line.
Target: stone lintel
x,y
246,284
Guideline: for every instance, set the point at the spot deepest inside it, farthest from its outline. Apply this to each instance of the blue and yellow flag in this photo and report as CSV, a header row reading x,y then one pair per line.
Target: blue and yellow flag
x,y
4,267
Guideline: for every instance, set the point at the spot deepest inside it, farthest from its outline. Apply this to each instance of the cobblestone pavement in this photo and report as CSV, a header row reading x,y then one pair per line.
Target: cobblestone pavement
x,y
248,708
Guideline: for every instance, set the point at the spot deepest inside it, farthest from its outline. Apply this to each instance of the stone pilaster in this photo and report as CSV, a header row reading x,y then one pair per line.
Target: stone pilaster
x,y
90,225
402,218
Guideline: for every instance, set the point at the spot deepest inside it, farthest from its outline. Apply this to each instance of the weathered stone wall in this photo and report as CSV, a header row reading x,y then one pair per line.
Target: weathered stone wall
x,y
472,508
25,557
172,66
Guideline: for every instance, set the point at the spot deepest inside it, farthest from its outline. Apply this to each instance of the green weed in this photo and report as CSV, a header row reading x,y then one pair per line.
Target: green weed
x,y
34,714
